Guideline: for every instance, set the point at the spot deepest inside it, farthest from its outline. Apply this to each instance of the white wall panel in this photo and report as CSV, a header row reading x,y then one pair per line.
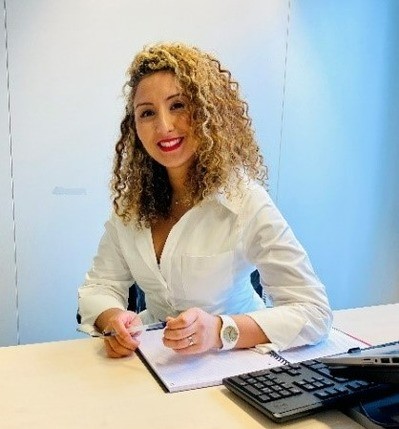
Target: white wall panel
x,y
67,64
8,304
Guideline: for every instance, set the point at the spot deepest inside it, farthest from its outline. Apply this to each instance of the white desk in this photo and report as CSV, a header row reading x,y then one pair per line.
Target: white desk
x,y
376,325
71,384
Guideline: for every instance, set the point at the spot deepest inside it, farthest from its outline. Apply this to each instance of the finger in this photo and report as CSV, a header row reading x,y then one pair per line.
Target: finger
x,y
191,348
185,342
120,346
175,344
128,342
178,334
120,326
118,351
111,352
183,320
195,350
121,331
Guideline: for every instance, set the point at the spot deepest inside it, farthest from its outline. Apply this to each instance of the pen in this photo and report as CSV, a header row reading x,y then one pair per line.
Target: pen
x,y
138,328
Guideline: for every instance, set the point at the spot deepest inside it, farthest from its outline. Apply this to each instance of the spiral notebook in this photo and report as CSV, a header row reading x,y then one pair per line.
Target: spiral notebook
x,y
177,373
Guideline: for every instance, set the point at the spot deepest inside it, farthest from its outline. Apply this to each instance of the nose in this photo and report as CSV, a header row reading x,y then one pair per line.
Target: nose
x,y
165,122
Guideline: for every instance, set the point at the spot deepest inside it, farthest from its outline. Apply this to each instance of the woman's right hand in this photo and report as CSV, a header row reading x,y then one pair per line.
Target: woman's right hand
x,y
122,344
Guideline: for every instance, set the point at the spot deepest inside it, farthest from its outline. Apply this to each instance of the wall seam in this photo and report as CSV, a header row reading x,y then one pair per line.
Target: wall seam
x,y
12,183
280,147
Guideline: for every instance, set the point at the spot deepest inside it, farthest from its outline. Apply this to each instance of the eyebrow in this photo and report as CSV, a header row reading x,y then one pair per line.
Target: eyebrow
x,y
147,103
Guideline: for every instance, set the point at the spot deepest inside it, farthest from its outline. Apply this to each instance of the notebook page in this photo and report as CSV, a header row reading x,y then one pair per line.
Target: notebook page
x,y
337,342
208,369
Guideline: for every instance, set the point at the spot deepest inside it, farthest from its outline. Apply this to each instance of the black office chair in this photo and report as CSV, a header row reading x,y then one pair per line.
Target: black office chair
x,y
136,301
255,280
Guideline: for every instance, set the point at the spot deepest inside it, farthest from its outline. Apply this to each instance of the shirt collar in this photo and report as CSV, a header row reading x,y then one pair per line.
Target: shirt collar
x,y
232,202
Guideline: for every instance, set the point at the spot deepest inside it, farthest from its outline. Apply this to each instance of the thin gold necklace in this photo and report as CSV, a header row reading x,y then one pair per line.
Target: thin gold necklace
x,y
183,202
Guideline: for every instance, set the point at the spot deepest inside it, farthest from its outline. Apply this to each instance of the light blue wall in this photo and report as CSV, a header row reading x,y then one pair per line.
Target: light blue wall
x,y
338,179
321,82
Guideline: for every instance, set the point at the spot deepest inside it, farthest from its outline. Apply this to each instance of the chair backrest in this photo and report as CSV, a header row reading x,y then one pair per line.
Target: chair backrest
x,y
136,300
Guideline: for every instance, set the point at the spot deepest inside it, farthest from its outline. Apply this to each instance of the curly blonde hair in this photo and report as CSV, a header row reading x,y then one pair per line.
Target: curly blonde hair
x,y
140,186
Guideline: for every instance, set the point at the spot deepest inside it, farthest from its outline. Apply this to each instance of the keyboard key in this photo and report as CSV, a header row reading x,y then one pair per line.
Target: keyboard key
x,y
341,389
253,390
322,394
277,370
264,398
274,395
240,381
296,391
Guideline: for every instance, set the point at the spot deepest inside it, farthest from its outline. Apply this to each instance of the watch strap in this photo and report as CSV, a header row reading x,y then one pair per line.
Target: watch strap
x,y
229,332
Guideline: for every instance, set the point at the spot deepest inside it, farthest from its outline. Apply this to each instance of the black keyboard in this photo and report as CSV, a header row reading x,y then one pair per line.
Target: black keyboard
x,y
295,390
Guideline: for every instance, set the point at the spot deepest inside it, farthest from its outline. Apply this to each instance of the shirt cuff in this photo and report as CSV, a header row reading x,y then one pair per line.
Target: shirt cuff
x,y
281,326
92,306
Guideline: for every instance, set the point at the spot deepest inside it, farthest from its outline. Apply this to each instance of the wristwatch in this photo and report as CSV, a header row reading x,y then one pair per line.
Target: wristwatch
x,y
229,332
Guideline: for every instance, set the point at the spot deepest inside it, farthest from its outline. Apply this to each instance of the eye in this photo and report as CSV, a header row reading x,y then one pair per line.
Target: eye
x,y
178,105
146,113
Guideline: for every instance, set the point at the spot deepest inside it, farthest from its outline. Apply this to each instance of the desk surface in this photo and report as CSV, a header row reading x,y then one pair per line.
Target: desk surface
x,y
375,325
71,384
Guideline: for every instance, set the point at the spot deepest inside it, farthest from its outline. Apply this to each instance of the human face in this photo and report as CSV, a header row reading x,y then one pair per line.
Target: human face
x,y
163,124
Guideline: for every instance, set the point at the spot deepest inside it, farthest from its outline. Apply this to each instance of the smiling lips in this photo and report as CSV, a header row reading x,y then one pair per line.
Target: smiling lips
x,y
168,145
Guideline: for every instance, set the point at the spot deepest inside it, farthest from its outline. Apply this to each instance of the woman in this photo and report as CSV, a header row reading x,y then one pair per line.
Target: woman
x,y
192,220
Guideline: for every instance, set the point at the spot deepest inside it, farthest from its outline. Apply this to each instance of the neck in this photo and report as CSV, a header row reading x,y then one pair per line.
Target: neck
x,y
177,180
180,194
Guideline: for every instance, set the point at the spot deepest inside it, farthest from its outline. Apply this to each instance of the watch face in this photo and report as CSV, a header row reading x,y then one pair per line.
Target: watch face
x,y
230,334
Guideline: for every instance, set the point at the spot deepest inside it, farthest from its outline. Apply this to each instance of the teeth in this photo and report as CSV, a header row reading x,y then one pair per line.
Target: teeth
x,y
169,143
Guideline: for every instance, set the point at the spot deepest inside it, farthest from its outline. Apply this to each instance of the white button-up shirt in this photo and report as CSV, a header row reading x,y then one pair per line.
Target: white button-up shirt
x,y
206,262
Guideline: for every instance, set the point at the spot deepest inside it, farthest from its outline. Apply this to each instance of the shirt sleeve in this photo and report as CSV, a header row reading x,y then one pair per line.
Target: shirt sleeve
x,y
108,281
300,313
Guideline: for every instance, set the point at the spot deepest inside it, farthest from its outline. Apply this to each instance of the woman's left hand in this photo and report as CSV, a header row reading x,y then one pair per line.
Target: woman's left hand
x,y
193,331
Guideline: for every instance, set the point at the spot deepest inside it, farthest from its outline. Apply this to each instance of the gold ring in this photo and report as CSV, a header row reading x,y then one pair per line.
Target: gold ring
x,y
190,341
